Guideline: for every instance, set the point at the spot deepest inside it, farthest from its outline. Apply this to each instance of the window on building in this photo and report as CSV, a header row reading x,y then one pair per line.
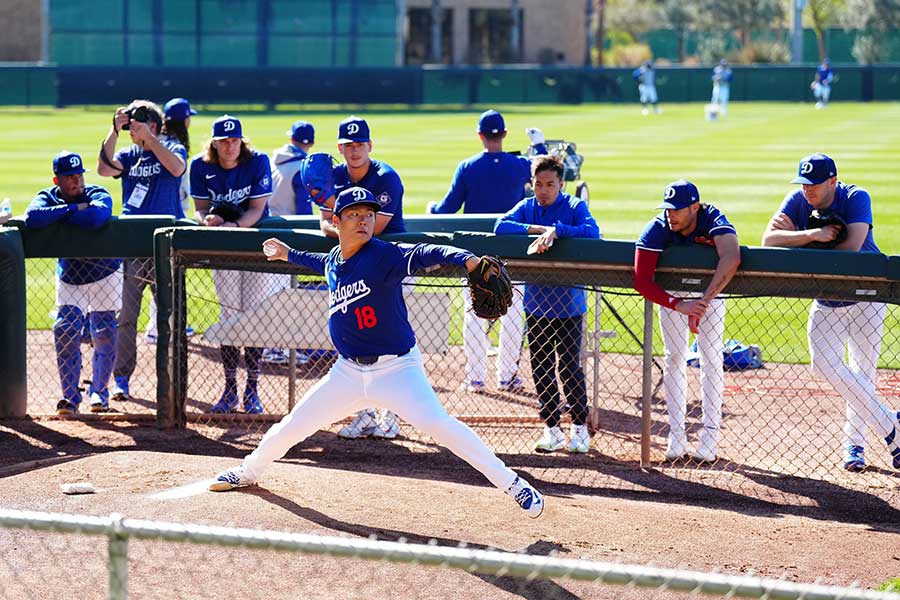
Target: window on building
x,y
490,36
418,40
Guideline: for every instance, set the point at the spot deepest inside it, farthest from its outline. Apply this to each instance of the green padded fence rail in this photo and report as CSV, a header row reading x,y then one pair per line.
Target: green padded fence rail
x,y
13,393
430,223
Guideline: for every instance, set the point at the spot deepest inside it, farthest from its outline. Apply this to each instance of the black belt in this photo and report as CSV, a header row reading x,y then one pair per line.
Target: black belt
x,y
371,360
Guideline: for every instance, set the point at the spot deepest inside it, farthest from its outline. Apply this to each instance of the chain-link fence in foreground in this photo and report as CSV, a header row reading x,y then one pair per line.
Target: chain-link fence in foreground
x,y
142,560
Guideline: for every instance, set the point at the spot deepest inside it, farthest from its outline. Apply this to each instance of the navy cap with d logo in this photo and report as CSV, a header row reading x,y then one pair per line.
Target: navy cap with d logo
x,y
302,132
353,129
815,169
491,122
352,197
226,126
67,163
680,194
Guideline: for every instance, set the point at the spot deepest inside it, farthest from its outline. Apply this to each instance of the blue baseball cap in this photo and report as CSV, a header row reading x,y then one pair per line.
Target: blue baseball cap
x,y
815,169
178,109
680,194
353,129
353,196
491,122
226,126
67,163
302,132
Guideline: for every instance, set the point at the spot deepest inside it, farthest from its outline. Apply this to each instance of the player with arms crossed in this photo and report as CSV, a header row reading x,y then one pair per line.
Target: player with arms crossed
x,y
231,184
645,75
835,326
685,221
490,182
379,362
359,169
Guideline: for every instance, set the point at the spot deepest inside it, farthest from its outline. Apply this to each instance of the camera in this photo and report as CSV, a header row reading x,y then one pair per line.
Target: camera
x,y
140,114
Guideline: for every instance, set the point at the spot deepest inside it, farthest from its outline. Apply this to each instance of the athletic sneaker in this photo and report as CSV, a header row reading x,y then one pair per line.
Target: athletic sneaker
x,y
388,426
476,386
228,403
363,425
893,441
854,460
119,390
230,479
274,356
66,408
98,404
707,448
676,448
553,439
526,497
579,439
513,385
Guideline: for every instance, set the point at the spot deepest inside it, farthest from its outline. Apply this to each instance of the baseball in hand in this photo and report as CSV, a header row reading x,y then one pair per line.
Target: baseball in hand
x,y
270,249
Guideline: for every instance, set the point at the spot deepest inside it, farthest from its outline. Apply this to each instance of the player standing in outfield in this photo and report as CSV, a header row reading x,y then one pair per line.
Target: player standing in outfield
x,y
821,85
151,170
379,362
685,221
645,75
554,314
721,91
83,287
231,184
838,326
490,182
359,169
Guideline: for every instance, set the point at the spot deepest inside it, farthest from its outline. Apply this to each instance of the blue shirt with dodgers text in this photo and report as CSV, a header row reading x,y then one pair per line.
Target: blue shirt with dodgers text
x,y
366,312
237,186
657,236
385,185
148,188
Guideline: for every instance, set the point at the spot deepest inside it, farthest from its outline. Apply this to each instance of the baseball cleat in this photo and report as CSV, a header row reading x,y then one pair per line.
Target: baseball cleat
x,y
98,404
528,498
475,386
230,479
676,448
252,404
363,425
228,403
553,439
119,390
388,427
579,439
513,385
893,442
854,460
705,454
66,408
274,356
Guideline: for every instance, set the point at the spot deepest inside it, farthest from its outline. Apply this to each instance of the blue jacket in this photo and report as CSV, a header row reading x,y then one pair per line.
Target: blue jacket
x,y
571,218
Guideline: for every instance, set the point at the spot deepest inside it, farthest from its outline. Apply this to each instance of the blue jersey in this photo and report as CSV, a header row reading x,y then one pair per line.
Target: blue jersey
x,y
48,208
385,185
851,203
366,311
657,236
488,182
825,74
571,218
148,188
644,75
236,186
722,75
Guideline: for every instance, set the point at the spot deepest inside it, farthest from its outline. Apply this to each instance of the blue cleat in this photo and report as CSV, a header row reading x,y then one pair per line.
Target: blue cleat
x,y
893,442
514,385
228,403
854,460
252,404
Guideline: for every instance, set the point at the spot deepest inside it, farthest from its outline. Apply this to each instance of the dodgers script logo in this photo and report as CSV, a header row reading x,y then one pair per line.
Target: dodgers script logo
x,y
806,168
228,126
233,196
340,297
74,162
353,128
670,193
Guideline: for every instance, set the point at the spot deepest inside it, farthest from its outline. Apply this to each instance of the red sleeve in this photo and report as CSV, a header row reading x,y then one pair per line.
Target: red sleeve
x,y
644,269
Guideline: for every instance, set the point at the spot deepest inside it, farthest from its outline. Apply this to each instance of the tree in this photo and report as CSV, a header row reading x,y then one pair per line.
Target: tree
x,y
872,19
599,24
679,15
823,14
741,16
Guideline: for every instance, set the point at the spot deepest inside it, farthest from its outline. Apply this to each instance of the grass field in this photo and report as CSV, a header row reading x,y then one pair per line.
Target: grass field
x,y
741,164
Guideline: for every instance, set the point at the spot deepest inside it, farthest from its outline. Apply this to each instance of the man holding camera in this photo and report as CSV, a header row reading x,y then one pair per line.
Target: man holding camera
x,y
151,169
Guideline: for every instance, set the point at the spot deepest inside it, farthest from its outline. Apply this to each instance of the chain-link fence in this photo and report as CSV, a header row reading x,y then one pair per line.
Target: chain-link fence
x,y
150,559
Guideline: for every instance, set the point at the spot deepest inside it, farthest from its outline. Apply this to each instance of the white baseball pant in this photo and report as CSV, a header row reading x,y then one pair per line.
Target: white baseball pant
x,y
475,340
100,296
674,328
856,328
647,93
398,384
720,94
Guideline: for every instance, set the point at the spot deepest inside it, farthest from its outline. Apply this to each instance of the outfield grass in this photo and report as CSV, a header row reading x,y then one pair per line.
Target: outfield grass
x,y
741,164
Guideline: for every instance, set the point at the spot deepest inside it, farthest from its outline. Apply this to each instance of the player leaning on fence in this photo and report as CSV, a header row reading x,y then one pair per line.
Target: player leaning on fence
x,y
231,184
685,221
83,287
379,363
150,169
803,221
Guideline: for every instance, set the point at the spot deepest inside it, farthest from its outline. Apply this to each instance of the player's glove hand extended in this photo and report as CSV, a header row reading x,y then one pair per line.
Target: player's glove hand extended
x,y
316,174
491,288
535,135
820,220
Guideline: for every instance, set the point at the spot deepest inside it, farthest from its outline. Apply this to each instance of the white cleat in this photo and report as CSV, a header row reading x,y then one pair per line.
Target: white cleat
x,y
553,439
579,439
231,479
528,498
676,448
364,424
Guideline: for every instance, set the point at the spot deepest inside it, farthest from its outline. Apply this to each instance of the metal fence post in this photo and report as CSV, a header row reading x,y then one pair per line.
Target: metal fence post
x,y
647,384
292,364
118,560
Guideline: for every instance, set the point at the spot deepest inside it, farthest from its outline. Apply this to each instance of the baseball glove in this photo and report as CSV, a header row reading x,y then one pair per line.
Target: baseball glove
x,y
817,220
227,210
490,288
316,174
